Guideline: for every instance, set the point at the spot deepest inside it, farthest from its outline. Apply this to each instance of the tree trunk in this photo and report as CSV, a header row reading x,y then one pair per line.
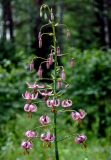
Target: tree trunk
x,y
8,20
103,23
102,120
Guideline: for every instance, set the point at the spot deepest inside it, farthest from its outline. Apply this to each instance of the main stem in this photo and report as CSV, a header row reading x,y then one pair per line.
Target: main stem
x,y
55,84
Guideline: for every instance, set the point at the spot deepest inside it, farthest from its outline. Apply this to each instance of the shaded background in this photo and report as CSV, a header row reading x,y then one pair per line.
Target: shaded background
x,y
90,78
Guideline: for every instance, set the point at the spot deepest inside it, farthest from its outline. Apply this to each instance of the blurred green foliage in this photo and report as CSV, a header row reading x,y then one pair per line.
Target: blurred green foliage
x,y
91,86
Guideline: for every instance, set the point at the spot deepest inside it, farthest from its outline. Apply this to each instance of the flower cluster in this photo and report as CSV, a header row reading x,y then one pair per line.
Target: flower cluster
x,y
50,95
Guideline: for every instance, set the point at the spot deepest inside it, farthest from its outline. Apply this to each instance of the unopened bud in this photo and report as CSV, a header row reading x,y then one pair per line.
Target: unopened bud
x,y
39,35
40,72
52,15
47,65
31,66
58,51
45,16
63,75
51,58
40,42
41,14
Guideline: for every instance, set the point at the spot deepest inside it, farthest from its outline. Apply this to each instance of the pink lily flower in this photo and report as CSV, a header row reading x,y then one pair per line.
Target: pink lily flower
x,y
35,86
45,93
44,120
29,96
80,139
53,103
30,108
31,134
66,103
48,137
26,145
77,116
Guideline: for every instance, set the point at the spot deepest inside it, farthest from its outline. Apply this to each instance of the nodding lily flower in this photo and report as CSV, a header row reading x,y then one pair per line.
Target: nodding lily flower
x,y
30,108
30,96
77,116
63,75
35,86
47,137
44,120
45,93
80,139
31,134
53,103
50,59
31,66
66,103
40,72
26,145
58,51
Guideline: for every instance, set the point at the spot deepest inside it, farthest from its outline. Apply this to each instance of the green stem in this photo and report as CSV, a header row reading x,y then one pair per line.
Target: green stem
x,y
55,83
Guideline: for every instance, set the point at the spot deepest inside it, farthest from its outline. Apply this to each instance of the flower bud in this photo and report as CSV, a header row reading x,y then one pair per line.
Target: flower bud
x,y
40,42
40,72
52,16
47,65
31,66
50,58
45,16
39,35
58,51
63,75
